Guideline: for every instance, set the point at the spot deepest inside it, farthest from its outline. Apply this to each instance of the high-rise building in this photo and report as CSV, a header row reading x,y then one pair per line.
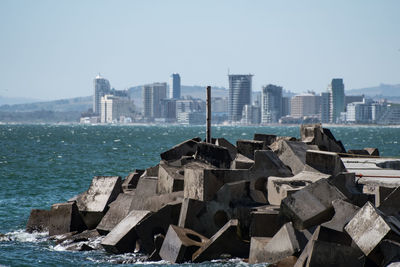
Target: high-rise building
x,y
239,95
101,88
168,109
337,104
325,107
174,86
285,106
305,105
113,107
152,96
191,111
251,115
271,106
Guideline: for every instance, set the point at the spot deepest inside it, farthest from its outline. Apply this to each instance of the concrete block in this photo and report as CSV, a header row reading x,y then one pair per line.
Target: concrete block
x,y
325,162
356,152
94,202
118,210
155,203
180,243
247,147
286,262
344,212
267,163
258,196
147,186
217,156
122,238
156,223
170,179
158,241
242,162
281,187
264,223
390,200
292,154
132,180
204,183
151,172
268,139
188,214
346,183
186,148
369,227
286,242
225,241
231,193
38,221
311,205
314,134
390,250
373,151
225,143
65,218
331,254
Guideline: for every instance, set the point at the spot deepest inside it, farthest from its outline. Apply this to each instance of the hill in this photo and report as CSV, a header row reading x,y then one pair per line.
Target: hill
x,y
382,90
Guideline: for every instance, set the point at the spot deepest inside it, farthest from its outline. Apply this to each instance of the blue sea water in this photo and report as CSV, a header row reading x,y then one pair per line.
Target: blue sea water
x,y
45,164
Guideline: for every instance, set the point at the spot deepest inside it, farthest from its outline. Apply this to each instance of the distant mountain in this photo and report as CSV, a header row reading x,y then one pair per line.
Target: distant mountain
x,y
16,100
78,104
195,91
382,90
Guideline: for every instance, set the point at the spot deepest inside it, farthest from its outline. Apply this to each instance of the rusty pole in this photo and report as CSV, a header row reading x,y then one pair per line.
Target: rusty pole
x,y
208,130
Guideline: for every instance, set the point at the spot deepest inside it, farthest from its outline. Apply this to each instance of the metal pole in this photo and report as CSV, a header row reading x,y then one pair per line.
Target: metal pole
x,y
208,131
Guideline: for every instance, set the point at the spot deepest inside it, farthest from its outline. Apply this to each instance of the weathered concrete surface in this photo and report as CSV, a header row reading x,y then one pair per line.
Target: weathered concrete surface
x,y
186,148
286,242
155,203
373,151
314,134
344,212
132,180
65,218
122,237
369,227
241,162
180,244
292,154
158,241
360,152
156,223
257,246
264,223
225,143
170,179
225,241
267,163
151,172
268,139
94,202
204,183
311,205
118,210
325,162
217,156
281,187
248,147
38,221
147,186
390,250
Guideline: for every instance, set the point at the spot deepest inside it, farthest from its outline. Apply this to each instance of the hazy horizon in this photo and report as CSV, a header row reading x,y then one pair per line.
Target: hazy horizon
x,y
54,49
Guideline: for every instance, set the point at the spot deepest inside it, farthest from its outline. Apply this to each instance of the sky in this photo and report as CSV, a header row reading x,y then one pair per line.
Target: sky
x,y
54,49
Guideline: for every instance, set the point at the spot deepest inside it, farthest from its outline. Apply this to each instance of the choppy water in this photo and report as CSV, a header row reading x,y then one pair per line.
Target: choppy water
x,y
45,164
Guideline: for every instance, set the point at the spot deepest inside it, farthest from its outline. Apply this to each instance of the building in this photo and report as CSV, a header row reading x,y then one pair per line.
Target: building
x,y
251,115
271,104
353,98
305,105
174,86
191,111
325,107
191,118
152,96
285,106
114,107
239,95
168,110
219,104
337,100
101,88
358,112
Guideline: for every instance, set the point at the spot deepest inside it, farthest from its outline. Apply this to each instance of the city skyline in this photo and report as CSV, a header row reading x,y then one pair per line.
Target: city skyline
x,y
50,50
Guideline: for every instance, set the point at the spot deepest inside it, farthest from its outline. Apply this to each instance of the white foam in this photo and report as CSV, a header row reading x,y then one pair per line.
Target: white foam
x,y
23,236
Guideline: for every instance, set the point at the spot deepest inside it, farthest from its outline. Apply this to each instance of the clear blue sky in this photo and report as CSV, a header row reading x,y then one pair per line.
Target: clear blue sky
x,y
54,49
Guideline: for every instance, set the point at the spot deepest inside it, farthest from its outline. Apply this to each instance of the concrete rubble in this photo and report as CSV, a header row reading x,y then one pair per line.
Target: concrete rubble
x,y
277,200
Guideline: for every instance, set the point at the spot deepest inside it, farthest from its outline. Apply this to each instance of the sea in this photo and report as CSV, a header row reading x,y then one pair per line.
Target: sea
x,y
45,164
